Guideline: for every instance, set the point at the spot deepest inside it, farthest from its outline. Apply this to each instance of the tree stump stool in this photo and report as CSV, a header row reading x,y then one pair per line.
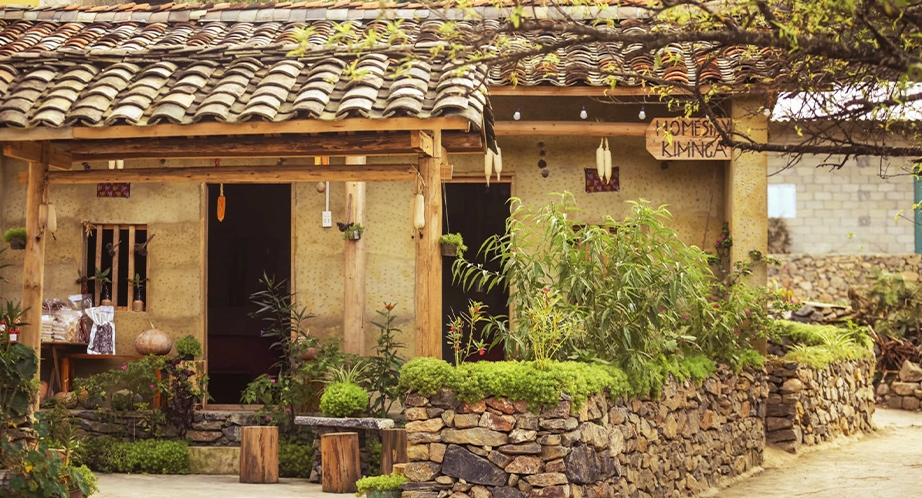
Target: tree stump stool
x,y
339,452
393,449
259,455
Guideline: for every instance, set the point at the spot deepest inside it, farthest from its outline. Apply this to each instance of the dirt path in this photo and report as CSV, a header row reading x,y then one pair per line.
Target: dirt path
x,y
887,463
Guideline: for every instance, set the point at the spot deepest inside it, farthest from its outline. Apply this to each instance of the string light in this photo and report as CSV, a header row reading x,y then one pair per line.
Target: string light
x,y
583,114
517,115
642,115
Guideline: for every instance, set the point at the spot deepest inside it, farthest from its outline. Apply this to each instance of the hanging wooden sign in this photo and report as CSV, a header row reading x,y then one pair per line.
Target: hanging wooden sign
x,y
683,139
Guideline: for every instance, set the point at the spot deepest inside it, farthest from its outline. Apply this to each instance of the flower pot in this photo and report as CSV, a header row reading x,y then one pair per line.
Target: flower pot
x,y
17,244
355,235
76,493
389,493
450,250
137,305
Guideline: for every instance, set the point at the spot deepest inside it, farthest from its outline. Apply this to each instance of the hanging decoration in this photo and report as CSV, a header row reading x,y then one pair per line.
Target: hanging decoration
x,y
600,159
488,165
419,204
607,176
498,162
222,203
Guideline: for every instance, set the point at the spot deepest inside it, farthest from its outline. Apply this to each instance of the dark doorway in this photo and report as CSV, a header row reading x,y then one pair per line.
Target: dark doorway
x,y
255,237
476,212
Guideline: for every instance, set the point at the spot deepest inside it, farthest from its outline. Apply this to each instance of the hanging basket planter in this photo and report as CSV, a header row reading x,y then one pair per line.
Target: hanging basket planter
x,y
16,238
353,231
449,250
452,245
18,244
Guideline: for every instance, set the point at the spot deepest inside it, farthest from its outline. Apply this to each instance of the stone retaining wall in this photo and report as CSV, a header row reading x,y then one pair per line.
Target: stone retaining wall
x,y
807,406
679,445
827,278
902,391
209,428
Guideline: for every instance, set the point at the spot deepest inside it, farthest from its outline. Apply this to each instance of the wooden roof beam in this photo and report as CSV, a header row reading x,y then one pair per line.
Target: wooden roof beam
x,y
54,157
358,144
569,128
240,174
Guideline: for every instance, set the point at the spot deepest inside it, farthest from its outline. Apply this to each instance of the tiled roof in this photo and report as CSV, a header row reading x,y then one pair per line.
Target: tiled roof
x,y
143,65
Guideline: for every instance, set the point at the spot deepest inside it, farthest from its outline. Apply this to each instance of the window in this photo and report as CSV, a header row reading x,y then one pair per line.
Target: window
x,y
782,200
122,250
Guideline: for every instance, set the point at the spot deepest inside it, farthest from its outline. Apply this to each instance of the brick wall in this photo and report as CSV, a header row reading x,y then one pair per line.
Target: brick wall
x,y
847,211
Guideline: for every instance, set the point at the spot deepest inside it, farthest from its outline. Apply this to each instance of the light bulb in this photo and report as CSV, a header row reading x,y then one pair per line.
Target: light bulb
x,y
766,112
517,116
583,114
642,115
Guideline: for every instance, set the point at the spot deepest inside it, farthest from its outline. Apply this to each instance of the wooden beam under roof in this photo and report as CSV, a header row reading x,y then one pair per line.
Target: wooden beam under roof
x,y
36,152
569,128
240,174
294,126
364,144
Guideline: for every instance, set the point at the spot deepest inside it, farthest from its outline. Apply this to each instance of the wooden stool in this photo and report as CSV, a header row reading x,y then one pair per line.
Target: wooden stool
x,y
259,455
393,449
339,457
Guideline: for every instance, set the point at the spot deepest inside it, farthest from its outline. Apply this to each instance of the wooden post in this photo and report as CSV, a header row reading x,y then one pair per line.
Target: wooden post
x,y
341,467
429,257
393,449
354,254
259,455
33,272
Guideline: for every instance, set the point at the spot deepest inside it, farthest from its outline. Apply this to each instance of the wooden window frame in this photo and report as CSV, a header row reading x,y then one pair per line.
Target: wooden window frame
x,y
115,273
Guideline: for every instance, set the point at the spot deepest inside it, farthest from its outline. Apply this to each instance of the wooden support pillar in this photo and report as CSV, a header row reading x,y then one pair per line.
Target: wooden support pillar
x,y
393,449
33,274
354,253
747,191
429,257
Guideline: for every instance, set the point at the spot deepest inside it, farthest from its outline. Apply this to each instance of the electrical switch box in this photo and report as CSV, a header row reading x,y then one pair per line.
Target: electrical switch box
x,y
327,219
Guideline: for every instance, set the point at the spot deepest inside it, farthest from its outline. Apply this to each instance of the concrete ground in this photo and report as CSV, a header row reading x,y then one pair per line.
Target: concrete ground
x,y
887,463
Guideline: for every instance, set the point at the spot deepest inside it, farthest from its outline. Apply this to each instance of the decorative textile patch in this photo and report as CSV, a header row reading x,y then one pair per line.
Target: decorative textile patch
x,y
113,190
594,183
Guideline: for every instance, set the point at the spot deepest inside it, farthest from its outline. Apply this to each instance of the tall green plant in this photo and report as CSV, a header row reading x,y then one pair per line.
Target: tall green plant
x,y
283,319
383,370
18,385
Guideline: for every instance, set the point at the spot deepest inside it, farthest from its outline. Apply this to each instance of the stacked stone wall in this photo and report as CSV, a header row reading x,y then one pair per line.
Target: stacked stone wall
x,y
808,406
209,428
679,445
827,278
902,390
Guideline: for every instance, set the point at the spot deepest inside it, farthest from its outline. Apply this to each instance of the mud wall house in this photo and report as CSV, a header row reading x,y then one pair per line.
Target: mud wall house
x,y
190,98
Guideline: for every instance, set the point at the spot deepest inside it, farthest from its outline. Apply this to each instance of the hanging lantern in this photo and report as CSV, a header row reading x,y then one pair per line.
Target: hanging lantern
x,y
419,211
222,203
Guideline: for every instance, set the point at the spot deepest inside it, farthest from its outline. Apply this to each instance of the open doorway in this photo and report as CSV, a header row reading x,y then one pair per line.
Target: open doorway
x,y
477,212
255,237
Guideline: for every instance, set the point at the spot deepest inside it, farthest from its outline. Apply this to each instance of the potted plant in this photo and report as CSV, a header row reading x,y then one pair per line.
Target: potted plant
x,y
16,238
452,244
102,278
188,347
380,486
353,231
137,282
11,319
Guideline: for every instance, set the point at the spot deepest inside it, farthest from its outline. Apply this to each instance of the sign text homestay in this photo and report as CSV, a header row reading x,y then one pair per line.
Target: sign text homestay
x,y
683,139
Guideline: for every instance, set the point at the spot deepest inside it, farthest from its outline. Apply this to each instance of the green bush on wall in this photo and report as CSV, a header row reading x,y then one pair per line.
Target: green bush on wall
x,y
820,345
150,456
343,399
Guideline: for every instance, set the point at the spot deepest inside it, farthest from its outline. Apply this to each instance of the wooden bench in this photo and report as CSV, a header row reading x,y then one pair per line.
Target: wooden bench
x,y
393,441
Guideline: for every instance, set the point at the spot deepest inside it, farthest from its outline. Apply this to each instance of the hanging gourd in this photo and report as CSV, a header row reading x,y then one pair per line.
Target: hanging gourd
x,y
488,165
419,211
498,162
600,160
51,218
222,204
607,163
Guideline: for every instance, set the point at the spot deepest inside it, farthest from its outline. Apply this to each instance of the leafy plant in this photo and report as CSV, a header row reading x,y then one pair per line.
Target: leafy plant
x,y
18,384
283,320
14,234
343,399
137,282
350,231
820,345
101,276
892,306
188,346
40,472
550,324
345,374
383,370
149,456
183,394
379,483
295,459
472,332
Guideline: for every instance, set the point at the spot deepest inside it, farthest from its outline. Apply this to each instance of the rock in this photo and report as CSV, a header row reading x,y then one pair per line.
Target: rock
x,y
522,436
203,436
444,399
448,416
431,425
414,413
583,466
557,466
477,436
911,403
594,434
792,385
421,471
507,492
707,419
501,404
232,433
478,407
895,402
503,423
423,437
445,480
215,425
479,492
525,465
521,449
781,436
904,388
437,452
548,479
883,389
560,411
416,399
776,423
910,372
558,424
551,492
554,452
500,459
465,465
467,420
416,452
527,422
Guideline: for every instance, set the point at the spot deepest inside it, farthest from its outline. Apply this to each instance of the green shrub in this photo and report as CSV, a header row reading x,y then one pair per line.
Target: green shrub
x,y
295,459
820,345
151,456
188,346
14,233
85,476
343,399
379,483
